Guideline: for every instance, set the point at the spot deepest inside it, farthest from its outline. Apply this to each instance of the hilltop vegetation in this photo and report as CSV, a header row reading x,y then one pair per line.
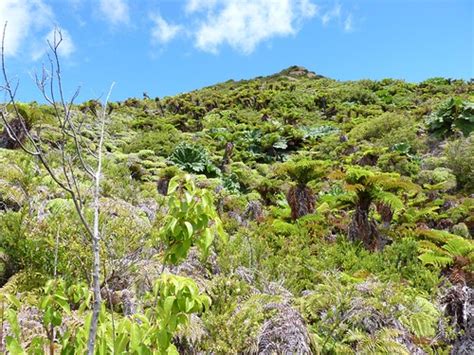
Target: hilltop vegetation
x,y
291,214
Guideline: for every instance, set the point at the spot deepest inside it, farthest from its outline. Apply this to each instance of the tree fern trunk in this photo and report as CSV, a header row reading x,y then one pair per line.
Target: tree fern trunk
x,y
386,214
362,228
14,135
301,200
162,185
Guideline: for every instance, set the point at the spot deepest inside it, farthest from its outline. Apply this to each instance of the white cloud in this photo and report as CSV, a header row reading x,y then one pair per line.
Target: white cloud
x,y
163,32
65,49
200,5
24,17
334,13
348,25
75,3
244,24
115,11
308,9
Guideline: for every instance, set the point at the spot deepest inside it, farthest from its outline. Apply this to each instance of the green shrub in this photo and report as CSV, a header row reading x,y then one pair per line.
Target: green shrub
x,y
193,159
437,179
388,130
460,159
453,114
162,140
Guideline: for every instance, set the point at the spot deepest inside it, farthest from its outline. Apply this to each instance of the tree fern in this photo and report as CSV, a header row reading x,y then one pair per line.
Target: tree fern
x,y
374,186
303,171
300,197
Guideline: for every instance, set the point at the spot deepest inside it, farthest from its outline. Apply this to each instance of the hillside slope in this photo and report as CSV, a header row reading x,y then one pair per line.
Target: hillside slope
x,y
318,216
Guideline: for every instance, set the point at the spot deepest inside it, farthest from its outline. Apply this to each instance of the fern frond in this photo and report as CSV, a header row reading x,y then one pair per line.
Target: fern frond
x,y
429,246
423,319
389,199
383,341
431,258
358,174
393,182
459,246
354,187
435,235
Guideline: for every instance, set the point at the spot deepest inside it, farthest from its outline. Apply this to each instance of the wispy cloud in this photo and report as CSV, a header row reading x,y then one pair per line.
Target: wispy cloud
x,y
25,17
162,31
348,25
200,5
244,24
332,14
338,15
115,11
66,46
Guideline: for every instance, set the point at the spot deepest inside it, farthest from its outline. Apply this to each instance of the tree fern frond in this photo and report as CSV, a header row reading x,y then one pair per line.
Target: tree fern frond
x,y
356,174
354,187
303,171
393,182
389,199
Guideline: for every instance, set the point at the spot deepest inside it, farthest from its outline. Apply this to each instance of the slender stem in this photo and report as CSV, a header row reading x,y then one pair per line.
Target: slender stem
x,y
96,235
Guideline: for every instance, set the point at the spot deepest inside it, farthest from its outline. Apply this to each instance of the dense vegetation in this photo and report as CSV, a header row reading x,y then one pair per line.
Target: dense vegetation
x,y
289,214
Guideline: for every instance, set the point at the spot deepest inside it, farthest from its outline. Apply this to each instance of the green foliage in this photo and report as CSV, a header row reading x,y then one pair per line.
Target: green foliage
x,y
440,248
437,179
460,159
344,150
236,328
231,183
175,298
193,159
346,312
387,130
378,187
399,161
53,304
170,303
453,114
310,133
191,220
303,171
31,113
383,341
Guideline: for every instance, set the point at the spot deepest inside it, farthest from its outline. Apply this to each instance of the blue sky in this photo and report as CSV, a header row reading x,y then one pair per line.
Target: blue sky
x,y
164,47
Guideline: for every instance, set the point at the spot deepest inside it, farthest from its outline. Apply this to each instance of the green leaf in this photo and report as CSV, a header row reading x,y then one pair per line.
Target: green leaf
x,y
173,185
189,228
13,346
168,304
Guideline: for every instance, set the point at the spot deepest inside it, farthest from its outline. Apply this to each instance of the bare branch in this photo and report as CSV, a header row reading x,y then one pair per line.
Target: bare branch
x,y
70,130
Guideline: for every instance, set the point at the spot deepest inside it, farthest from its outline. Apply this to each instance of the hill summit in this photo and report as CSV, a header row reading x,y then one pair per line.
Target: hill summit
x,y
299,71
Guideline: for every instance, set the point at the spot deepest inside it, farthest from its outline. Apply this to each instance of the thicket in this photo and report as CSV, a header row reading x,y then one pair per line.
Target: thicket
x,y
291,213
